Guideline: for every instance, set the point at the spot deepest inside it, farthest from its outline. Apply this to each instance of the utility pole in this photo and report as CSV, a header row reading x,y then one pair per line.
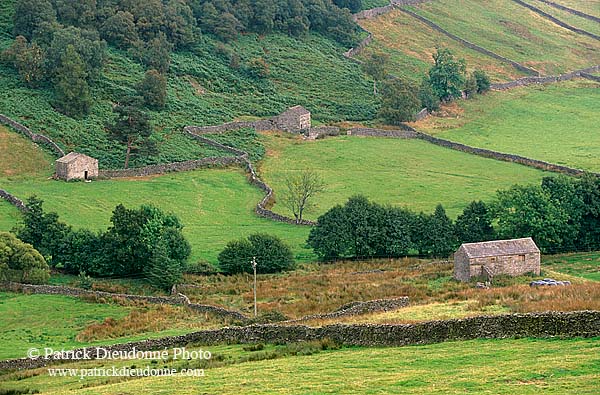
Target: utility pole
x,y
254,267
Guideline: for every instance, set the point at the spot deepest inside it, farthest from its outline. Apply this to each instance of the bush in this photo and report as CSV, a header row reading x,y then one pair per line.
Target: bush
x,y
21,262
482,81
272,255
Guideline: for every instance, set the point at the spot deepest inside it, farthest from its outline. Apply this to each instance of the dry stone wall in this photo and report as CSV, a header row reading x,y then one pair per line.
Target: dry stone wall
x,y
172,300
525,81
557,21
358,308
37,138
15,201
538,325
572,11
469,44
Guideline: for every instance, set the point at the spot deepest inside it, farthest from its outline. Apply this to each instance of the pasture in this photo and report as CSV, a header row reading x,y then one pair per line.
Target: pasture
x,y
508,366
553,123
515,32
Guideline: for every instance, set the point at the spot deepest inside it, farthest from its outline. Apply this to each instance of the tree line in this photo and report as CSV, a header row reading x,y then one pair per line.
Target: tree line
x,y
561,214
142,242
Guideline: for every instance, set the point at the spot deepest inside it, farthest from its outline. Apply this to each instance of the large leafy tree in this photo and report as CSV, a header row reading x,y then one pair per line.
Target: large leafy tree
x,y
120,30
299,191
399,102
72,91
153,89
375,66
474,224
20,262
30,15
447,75
530,211
132,129
28,59
330,239
272,255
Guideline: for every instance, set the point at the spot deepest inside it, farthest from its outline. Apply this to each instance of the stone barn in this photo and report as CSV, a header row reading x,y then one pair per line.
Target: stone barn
x,y
75,166
490,258
294,120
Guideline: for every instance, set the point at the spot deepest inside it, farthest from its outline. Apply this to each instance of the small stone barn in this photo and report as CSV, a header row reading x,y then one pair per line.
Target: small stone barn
x,y
490,258
75,166
294,120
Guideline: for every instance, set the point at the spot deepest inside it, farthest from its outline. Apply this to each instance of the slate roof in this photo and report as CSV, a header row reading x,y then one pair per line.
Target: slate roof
x,y
72,156
298,110
500,248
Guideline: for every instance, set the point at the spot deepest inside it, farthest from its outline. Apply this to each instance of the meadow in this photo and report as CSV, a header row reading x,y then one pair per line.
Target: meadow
x,y
565,16
407,173
58,322
514,31
508,366
591,7
553,123
411,44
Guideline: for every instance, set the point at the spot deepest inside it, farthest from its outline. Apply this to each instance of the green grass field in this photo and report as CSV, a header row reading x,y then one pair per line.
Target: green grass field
x,y
586,265
411,45
523,366
410,173
567,17
554,123
591,7
515,32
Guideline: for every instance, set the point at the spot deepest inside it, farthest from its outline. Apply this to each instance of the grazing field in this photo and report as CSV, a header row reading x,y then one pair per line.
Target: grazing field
x,y
68,322
214,205
591,7
565,16
514,31
554,123
411,44
585,265
409,173
21,157
508,366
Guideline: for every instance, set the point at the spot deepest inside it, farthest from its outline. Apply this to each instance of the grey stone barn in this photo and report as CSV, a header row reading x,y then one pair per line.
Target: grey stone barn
x,y
296,119
490,258
74,166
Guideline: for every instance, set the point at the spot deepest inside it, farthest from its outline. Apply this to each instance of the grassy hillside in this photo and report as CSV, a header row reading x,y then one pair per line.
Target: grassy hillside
x,y
524,366
553,123
410,173
214,205
567,17
411,44
515,32
202,89
20,156
591,7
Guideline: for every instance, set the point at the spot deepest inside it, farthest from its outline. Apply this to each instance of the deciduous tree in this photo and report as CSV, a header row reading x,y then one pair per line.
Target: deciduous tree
x,y
299,191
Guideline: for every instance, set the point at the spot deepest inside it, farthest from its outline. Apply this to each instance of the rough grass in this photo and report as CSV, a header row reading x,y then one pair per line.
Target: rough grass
x,y
20,156
214,205
586,265
317,289
411,45
409,173
567,17
553,123
524,366
591,7
515,32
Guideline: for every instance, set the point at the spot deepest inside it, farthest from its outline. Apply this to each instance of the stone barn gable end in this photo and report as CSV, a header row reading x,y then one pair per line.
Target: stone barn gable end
x,y
75,166
511,257
296,119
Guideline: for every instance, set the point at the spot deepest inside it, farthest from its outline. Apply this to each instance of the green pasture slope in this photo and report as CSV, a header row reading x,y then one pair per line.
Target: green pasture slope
x,y
523,366
411,44
515,32
202,90
557,123
591,7
565,16
409,173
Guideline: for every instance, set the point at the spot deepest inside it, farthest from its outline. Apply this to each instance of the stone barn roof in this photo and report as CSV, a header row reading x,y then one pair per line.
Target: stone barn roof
x,y
500,248
296,110
73,156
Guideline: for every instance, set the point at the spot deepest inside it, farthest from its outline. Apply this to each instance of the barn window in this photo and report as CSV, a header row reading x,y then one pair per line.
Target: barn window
x,y
522,258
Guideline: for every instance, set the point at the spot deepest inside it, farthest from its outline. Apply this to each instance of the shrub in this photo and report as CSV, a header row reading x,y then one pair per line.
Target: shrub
x,y
482,80
21,262
272,255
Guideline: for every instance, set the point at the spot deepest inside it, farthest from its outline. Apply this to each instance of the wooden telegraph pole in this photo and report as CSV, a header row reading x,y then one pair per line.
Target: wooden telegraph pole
x,y
254,267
